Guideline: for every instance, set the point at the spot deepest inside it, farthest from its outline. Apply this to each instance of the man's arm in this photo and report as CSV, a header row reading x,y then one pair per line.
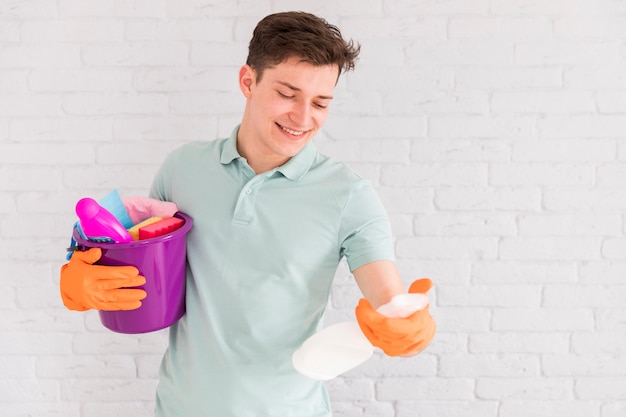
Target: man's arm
x,y
379,281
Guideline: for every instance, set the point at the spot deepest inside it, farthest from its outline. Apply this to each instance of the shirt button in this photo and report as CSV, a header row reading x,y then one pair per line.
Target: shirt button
x,y
248,191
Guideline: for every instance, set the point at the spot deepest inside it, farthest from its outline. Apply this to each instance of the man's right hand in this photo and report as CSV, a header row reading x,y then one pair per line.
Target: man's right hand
x,y
85,286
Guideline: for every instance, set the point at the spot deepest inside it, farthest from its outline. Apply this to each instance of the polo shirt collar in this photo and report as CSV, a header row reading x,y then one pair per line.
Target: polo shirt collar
x,y
294,169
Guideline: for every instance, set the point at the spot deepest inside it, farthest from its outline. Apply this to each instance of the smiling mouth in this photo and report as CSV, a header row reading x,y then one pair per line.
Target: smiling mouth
x,y
291,131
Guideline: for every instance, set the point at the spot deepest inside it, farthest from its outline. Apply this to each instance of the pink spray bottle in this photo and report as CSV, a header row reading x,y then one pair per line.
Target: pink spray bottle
x,y
98,222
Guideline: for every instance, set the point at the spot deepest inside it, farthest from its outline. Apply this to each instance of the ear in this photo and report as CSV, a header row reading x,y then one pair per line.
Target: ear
x,y
247,78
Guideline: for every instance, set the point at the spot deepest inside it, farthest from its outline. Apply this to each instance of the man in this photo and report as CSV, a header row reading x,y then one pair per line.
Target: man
x,y
272,220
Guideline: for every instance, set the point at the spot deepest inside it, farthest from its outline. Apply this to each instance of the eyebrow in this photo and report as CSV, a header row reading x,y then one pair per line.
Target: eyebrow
x,y
294,88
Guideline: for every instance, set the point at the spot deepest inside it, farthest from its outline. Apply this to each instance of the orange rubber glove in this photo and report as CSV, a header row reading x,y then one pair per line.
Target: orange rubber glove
x,y
85,286
398,336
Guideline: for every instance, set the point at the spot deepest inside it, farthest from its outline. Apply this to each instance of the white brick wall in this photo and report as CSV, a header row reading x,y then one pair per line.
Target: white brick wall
x,y
494,130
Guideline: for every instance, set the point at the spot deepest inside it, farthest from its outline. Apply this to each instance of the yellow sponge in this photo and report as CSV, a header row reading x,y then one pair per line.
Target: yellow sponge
x,y
134,231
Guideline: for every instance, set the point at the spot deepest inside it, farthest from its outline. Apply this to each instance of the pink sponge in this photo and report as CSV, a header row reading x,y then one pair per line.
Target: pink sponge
x,y
160,228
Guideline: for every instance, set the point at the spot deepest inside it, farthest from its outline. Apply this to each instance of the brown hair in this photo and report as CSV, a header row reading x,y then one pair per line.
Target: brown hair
x,y
281,36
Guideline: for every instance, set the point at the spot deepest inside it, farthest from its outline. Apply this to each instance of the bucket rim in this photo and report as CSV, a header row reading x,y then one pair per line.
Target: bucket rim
x,y
85,243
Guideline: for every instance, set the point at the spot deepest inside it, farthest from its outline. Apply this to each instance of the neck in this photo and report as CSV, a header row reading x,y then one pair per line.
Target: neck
x,y
260,160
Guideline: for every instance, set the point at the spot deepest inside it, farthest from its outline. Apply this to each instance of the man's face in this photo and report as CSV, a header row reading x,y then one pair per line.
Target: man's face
x,y
286,108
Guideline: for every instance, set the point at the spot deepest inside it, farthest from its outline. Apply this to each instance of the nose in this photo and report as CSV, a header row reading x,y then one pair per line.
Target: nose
x,y
301,112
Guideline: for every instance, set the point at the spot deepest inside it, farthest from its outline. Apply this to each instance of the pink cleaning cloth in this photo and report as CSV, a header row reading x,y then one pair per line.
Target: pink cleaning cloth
x,y
141,208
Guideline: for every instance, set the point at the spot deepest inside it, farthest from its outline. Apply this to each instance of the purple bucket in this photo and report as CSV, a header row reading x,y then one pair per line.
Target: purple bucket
x,y
162,260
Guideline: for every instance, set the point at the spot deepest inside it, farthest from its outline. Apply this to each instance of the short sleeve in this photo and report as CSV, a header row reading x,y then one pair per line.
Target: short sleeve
x,y
365,230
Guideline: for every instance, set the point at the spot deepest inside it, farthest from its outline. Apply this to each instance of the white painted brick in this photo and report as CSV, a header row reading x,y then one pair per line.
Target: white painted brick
x,y
519,342
475,224
569,150
461,319
355,127
40,56
219,8
613,409
589,343
9,31
596,27
28,391
163,128
141,54
601,390
614,248
594,75
566,52
108,342
407,200
602,272
569,225
107,389
538,7
84,80
611,175
548,408
67,30
488,198
186,80
542,320
41,155
362,409
584,199
436,102
44,409
541,173
508,77
206,103
434,7
371,150
13,80
543,102
30,105
28,9
611,102
591,365
452,248
501,296
17,367
422,76
422,175
498,27
450,272
555,389
218,54
403,27
486,365
425,389
85,366
60,129
119,409
611,319
552,248
210,30
423,365
380,53
464,52
451,150
20,178
481,127
123,8
584,296
125,104
450,408
352,389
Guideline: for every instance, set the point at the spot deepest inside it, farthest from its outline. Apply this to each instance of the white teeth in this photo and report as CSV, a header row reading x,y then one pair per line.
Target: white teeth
x,y
292,132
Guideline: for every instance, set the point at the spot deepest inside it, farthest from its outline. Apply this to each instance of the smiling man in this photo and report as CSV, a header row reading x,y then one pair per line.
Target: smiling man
x,y
272,220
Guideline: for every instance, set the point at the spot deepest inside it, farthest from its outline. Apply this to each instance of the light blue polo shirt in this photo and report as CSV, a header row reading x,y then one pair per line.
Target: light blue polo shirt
x,y
261,255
